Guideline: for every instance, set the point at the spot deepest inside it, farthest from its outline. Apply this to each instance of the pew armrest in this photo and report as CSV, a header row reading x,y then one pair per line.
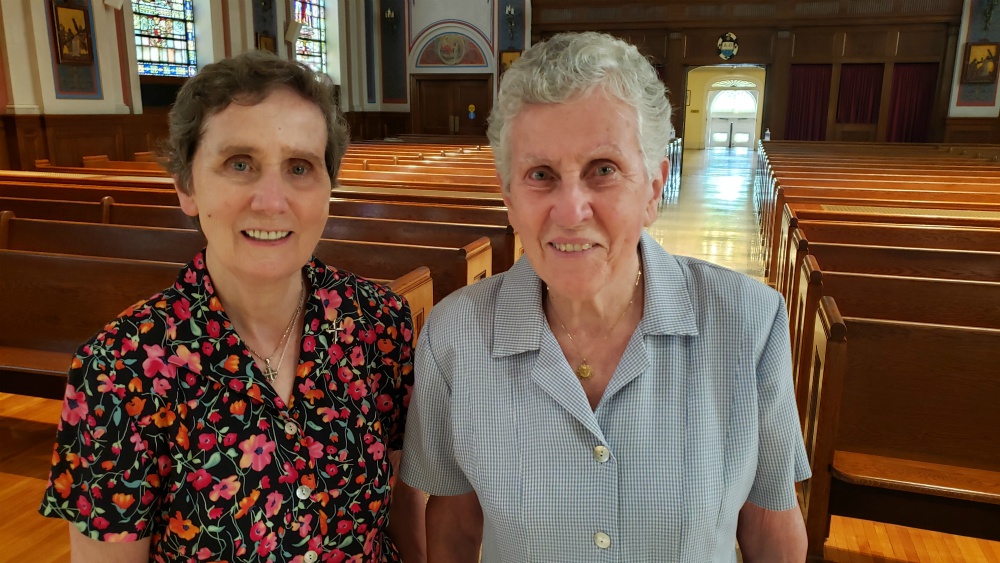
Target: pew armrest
x,y
38,373
963,483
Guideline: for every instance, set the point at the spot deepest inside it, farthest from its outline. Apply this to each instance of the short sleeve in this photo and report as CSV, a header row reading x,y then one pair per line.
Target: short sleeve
x,y
429,461
782,457
109,459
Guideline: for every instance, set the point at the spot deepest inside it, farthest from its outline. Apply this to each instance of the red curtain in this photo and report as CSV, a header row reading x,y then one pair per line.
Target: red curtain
x,y
808,102
911,102
860,93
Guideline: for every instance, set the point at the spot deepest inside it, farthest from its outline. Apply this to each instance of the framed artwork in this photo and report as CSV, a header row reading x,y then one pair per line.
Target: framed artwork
x,y
266,43
980,63
507,58
71,25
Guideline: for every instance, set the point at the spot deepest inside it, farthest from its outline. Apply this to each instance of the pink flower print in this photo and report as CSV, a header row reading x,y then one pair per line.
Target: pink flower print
x,y
345,374
83,505
171,328
161,386
185,357
344,526
200,479
273,503
101,523
336,352
367,336
215,513
258,531
267,545
74,407
377,450
214,328
224,489
289,473
357,356
331,301
121,537
204,554
206,441
190,277
384,402
256,452
140,444
207,348
328,414
182,309
357,390
305,525
309,343
128,345
315,448
229,439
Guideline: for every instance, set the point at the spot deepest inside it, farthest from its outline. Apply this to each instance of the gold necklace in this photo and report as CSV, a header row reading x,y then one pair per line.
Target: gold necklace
x,y
271,373
585,371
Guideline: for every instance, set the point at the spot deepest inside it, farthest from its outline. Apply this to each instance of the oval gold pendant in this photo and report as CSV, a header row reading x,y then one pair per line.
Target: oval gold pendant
x,y
584,371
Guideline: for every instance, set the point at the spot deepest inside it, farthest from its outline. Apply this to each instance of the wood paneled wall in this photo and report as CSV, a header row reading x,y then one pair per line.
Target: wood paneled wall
x,y
682,34
66,139
377,125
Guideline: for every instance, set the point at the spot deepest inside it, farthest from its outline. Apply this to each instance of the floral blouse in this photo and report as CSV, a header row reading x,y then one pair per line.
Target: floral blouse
x,y
170,431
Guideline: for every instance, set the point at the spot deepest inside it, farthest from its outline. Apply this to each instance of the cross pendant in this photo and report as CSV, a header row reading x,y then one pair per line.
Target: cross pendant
x,y
269,372
584,371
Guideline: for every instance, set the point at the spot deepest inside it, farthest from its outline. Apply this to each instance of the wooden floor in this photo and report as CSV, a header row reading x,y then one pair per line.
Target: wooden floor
x,y
711,217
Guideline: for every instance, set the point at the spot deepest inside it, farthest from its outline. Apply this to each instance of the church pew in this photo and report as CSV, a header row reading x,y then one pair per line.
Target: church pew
x,y
828,354
946,301
480,215
879,234
916,427
45,317
102,161
896,213
452,267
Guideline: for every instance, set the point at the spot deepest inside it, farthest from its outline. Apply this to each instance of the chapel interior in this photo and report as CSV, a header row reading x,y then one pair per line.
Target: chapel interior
x,y
845,152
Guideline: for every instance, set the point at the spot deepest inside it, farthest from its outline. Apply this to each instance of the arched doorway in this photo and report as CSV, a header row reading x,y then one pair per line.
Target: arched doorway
x,y
732,118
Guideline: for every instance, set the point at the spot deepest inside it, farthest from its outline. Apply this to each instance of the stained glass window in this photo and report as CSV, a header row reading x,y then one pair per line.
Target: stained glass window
x,y
734,83
310,47
164,37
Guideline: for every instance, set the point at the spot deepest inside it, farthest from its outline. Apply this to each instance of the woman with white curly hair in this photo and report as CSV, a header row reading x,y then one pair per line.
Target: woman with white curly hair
x,y
603,400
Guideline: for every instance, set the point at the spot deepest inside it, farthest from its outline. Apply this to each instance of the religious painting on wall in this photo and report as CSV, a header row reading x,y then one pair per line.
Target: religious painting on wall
x,y
451,49
980,63
71,30
507,58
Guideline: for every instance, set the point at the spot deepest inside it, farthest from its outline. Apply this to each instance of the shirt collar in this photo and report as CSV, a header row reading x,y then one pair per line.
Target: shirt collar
x,y
519,322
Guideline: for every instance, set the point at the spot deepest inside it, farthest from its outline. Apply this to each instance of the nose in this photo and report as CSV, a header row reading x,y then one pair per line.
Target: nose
x,y
270,193
572,205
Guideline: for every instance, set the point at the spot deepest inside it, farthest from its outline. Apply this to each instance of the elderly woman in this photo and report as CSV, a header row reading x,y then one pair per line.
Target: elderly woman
x,y
603,400
250,411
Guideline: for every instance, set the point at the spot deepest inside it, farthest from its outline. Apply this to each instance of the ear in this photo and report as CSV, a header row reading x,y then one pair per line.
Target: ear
x,y
656,194
187,200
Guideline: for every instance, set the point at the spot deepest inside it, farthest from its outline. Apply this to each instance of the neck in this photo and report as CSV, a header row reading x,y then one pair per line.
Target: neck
x,y
260,311
600,313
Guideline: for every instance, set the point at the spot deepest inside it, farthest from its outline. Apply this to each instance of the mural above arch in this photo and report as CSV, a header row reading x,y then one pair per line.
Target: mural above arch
x,y
451,49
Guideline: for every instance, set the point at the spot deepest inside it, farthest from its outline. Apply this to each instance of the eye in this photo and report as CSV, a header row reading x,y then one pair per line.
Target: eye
x,y
239,165
538,175
299,169
605,170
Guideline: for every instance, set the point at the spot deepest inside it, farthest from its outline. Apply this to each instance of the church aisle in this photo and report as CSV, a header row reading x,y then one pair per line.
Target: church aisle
x,y
711,215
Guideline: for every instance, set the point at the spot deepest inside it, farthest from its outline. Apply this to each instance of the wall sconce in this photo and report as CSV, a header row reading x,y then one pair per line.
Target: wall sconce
x,y
511,15
390,17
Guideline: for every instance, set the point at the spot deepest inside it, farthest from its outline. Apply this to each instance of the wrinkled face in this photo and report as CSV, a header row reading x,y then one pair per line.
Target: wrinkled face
x,y
260,188
579,195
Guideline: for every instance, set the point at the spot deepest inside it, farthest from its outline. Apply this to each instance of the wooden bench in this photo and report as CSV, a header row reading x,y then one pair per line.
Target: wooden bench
x,y
45,317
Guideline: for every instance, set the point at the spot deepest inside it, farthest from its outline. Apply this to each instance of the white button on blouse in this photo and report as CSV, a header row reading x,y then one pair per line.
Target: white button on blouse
x,y
602,540
601,454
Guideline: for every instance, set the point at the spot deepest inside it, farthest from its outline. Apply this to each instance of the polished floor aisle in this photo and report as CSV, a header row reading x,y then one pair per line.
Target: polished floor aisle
x,y
710,216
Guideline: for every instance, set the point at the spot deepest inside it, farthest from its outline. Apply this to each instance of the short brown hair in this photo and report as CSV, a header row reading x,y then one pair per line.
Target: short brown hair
x,y
247,78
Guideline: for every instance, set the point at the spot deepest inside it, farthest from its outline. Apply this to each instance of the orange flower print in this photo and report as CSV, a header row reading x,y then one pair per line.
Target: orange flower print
x,y
183,528
182,439
164,417
386,345
232,362
63,484
247,502
122,500
135,406
238,407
